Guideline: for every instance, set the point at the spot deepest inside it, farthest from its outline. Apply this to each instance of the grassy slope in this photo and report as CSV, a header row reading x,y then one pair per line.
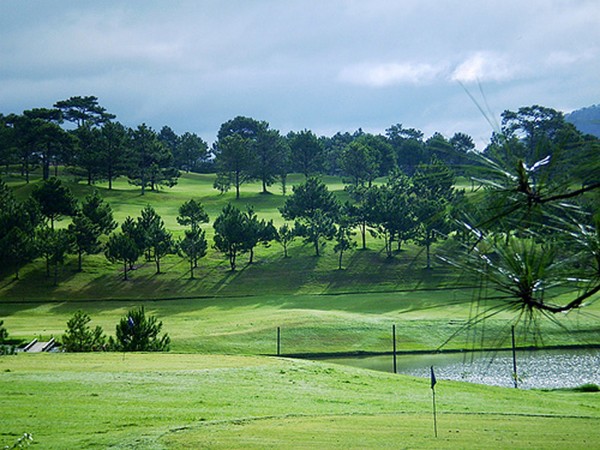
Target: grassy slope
x,y
320,308
195,401
309,323
190,401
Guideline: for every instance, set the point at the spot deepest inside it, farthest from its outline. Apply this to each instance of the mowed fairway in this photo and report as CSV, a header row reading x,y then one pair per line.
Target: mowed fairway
x,y
156,401
221,385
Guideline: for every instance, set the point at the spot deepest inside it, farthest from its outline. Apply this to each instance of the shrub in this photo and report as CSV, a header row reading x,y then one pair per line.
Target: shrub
x,y
138,333
79,337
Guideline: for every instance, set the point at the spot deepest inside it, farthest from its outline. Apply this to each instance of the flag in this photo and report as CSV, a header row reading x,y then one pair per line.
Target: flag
x,y
433,380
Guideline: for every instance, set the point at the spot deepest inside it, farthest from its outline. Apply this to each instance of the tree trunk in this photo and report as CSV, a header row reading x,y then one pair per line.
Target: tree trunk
x,y
45,167
428,248
157,265
340,259
388,244
191,268
232,256
317,247
363,232
251,260
125,270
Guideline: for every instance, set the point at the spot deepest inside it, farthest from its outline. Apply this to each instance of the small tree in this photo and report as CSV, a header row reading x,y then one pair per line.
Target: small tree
x,y
285,236
314,208
193,246
235,161
360,163
158,241
257,232
55,200
151,163
54,245
343,238
3,332
231,233
122,248
4,348
85,235
363,210
394,211
17,224
306,152
98,212
433,186
138,333
192,214
80,337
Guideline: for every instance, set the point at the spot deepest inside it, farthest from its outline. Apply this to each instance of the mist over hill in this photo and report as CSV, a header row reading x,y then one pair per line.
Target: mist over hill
x,y
587,120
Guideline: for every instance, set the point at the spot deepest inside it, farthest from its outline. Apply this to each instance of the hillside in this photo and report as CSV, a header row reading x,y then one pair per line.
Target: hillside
x,y
587,120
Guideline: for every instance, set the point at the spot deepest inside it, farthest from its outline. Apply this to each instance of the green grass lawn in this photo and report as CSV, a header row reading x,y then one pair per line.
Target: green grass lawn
x,y
154,401
318,324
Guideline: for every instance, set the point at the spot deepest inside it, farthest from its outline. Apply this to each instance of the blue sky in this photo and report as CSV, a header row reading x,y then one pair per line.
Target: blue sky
x,y
323,65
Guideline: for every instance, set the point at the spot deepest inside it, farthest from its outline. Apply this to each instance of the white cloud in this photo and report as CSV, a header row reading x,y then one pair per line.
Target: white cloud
x,y
335,65
484,66
389,74
566,58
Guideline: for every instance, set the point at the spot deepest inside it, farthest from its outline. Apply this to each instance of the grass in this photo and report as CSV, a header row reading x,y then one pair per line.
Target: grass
x,y
215,390
345,323
155,401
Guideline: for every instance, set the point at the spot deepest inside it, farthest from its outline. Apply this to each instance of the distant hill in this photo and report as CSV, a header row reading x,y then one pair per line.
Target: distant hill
x,y
586,120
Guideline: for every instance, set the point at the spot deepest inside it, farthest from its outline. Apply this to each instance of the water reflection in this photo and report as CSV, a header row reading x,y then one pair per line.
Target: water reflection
x,y
535,369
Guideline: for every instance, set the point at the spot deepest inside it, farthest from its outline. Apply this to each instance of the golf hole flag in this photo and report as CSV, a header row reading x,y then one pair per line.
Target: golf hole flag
x,y
433,382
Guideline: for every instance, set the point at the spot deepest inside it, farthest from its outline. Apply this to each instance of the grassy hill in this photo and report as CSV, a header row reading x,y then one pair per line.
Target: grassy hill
x,y
218,389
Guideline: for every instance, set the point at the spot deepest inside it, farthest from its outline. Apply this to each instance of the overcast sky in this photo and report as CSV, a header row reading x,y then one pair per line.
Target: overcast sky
x,y
323,65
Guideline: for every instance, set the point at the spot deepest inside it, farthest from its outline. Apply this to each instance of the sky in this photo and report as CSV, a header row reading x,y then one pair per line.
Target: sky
x,y
323,65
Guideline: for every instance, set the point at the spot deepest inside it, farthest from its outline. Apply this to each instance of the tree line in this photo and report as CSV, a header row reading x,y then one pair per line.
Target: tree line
x,y
401,209
525,198
80,136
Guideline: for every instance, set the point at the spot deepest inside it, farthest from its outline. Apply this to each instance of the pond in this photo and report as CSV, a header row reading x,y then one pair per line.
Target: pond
x,y
543,369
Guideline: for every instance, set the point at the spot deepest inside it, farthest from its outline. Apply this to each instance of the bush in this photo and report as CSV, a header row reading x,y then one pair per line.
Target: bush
x,y
588,387
3,332
136,333
79,337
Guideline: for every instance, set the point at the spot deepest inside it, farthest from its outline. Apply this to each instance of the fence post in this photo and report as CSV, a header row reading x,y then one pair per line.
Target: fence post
x,y
278,341
514,358
394,345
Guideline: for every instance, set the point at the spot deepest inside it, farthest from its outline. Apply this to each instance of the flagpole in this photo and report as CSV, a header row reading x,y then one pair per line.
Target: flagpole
x,y
433,383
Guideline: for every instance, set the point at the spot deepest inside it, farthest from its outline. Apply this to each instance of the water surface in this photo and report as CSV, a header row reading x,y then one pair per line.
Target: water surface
x,y
535,369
